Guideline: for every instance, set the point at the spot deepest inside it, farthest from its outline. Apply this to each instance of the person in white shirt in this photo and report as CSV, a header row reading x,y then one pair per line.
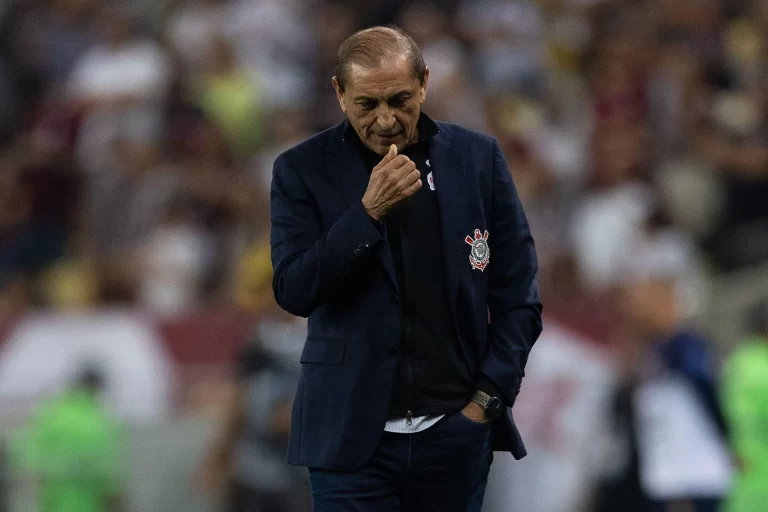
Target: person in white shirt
x,y
120,88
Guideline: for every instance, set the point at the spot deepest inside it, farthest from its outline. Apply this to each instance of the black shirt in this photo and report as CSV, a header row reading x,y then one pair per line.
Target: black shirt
x,y
433,377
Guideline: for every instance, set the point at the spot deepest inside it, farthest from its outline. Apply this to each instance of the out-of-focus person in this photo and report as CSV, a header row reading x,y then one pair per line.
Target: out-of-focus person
x,y
667,412
745,401
230,99
192,27
173,261
221,195
27,244
72,450
249,455
120,87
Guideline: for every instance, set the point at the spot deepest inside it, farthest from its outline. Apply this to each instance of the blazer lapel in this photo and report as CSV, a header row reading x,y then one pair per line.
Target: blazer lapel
x,y
450,187
348,171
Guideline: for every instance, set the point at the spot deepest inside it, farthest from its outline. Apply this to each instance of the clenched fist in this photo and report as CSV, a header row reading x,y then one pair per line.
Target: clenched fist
x,y
392,181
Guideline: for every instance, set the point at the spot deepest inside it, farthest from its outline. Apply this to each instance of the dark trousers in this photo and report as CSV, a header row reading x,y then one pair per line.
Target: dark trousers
x,y
242,498
443,468
245,499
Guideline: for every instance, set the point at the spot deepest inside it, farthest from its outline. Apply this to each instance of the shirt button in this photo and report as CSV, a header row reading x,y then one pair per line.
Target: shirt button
x,y
392,349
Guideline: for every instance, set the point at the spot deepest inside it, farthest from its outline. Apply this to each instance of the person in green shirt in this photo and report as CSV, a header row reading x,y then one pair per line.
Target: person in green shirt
x,y
746,405
72,450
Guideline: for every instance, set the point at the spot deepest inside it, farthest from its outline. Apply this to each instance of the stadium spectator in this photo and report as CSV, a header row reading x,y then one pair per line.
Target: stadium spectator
x,y
74,451
249,453
667,411
120,87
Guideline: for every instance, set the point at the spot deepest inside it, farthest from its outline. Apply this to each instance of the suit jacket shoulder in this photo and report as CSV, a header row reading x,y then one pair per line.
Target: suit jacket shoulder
x,y
461,134
312,148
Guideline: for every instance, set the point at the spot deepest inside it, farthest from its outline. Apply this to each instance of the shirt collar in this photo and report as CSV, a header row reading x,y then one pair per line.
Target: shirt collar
x,y
427,130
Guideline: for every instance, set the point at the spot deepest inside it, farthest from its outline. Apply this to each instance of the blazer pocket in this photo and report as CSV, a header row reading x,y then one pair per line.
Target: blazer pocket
x,y
323,351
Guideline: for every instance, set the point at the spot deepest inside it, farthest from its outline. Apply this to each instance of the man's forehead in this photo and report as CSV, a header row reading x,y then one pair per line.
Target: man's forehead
x,y
388,78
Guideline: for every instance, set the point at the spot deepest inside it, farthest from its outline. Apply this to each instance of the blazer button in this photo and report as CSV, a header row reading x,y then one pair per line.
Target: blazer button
x,y
358,251
392,349
395,298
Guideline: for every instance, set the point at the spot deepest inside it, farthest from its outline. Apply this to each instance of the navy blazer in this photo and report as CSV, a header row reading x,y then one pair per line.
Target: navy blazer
x,y
332,264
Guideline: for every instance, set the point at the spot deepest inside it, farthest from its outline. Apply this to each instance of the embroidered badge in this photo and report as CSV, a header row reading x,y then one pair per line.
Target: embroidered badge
x,y
480,253
431,181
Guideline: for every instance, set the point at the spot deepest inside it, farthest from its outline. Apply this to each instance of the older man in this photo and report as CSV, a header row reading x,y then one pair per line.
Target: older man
x,y
404,242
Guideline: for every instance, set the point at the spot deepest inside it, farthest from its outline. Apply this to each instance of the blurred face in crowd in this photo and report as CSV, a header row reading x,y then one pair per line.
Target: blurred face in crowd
x,y
221,57
383,104
117,25
652,305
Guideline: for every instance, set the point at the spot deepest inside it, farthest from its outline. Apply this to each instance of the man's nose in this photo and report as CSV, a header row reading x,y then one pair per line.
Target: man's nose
x,y
385,119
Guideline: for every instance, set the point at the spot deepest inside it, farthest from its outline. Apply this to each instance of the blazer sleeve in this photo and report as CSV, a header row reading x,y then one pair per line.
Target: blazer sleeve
x,y
311,266
513,293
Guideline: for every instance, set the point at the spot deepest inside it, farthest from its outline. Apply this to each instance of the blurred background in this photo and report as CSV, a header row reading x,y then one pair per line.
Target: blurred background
x,y
143,363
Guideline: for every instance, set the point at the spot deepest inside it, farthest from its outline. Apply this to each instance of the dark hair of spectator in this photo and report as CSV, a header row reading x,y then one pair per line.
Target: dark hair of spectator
x,y
370,47
91,379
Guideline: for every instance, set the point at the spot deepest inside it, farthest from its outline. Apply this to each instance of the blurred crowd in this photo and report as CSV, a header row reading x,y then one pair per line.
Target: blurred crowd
x,y
137,140
138,136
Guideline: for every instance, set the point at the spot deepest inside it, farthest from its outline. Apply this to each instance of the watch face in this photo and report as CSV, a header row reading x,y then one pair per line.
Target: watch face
x,y
495,408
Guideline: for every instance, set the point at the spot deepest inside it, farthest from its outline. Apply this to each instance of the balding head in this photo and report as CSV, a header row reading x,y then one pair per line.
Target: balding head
x,y
372,47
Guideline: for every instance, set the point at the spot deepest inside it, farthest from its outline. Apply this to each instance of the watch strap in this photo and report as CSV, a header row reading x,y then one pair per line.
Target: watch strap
x,y
481,398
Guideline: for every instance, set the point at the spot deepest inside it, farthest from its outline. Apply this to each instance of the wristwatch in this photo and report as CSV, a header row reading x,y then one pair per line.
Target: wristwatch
x,y
493,406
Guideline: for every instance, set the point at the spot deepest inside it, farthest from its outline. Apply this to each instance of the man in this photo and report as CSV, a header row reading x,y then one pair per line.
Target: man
x,y
746,407
72,448
404,241
666,412
250,451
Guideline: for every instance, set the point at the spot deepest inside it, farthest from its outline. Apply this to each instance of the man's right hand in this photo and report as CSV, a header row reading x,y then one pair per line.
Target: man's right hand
x,y
392,181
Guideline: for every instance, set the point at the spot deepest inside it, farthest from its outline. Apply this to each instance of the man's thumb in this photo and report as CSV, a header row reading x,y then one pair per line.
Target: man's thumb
x,y
392,153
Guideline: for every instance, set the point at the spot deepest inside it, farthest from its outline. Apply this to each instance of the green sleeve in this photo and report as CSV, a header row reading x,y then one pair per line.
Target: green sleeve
x,y
745,401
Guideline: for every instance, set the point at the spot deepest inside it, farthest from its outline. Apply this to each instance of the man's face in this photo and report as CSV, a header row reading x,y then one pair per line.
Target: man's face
x,y
383,104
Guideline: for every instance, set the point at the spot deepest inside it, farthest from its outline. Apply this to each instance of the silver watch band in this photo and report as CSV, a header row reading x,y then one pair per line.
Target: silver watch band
x,y
482,398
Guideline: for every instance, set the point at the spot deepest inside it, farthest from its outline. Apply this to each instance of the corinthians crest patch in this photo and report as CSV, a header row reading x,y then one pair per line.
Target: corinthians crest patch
x,y
480,253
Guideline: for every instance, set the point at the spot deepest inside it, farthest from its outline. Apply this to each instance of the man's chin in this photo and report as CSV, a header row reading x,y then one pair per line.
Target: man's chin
x,y
381,144
380,149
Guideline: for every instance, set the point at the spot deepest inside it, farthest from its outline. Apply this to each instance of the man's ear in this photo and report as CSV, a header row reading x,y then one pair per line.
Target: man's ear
x,y
423,90
339,94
